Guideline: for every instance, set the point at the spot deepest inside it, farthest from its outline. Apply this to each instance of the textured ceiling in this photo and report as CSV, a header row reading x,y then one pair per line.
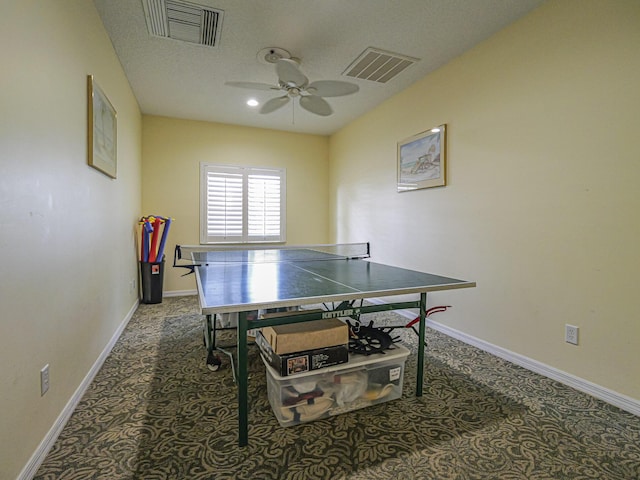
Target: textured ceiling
x,y
183,80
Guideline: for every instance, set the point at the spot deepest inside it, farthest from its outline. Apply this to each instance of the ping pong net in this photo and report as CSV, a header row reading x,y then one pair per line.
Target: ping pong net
x,y
192,256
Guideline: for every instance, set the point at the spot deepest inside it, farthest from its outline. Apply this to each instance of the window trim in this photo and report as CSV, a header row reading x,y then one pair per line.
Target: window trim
x,y
245,171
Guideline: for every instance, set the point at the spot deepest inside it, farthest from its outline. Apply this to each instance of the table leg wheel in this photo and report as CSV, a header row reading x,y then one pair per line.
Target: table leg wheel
x,y
213,362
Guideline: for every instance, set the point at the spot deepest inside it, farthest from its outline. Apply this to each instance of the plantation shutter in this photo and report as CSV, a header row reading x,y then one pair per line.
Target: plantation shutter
x,y
263,206
224,206
242,204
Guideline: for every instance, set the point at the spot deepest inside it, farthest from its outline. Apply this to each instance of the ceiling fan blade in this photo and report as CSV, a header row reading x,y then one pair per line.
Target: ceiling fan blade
x,y
315,104
332,88
252,85
289,73
274,104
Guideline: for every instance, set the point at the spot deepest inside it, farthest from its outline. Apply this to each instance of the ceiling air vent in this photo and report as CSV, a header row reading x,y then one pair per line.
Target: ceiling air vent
x,y
183,21
378,65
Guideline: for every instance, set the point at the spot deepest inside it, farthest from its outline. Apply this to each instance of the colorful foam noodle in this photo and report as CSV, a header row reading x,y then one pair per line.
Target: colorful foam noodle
x,y
155,238
146,234
153,241
163,241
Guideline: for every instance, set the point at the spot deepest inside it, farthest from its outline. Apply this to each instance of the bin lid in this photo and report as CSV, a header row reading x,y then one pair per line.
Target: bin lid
x,y
399,352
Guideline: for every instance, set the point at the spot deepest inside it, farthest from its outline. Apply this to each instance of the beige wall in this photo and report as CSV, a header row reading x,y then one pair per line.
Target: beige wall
x,y
173,150
66,230
542,204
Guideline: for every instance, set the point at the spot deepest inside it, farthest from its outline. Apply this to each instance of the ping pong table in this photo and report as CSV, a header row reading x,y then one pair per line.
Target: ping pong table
x,y
243,281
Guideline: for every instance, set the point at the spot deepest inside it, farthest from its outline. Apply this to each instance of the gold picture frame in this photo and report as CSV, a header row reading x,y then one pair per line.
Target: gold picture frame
x,y
422,160
102,130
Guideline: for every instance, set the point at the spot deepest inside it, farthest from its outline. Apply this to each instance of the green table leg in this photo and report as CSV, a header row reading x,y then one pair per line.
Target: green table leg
x,y
421,344
243,414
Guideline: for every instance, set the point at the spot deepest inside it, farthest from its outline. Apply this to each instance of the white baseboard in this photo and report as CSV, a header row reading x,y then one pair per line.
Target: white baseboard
x,y
180,293
30,469
616,399
609,396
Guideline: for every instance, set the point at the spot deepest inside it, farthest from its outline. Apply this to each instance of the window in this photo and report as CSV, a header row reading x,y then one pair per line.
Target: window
x,y
241,204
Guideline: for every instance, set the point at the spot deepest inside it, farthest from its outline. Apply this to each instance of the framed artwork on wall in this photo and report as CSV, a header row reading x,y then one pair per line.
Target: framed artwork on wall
x,y
102,130
422,160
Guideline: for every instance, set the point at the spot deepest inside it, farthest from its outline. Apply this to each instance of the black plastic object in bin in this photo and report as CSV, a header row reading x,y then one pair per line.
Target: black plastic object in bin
x,y
152,274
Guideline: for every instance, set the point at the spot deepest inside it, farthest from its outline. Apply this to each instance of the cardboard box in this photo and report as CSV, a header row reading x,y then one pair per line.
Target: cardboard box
x,y
303,336
299,362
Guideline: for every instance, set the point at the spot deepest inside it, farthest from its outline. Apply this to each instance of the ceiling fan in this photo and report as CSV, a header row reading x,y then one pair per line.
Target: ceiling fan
x,y
295,84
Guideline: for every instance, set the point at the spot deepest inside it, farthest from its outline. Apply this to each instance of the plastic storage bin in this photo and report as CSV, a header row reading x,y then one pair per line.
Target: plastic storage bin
x,y
363,381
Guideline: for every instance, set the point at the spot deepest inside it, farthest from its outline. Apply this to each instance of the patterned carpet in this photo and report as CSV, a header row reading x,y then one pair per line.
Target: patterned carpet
x,y
155,412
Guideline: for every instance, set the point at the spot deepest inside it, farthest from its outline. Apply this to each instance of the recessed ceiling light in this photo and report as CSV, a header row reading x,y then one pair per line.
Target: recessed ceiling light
x,y
252,102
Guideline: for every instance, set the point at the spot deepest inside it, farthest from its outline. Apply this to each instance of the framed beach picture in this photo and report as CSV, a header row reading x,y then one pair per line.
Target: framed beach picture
x,y
422,160
102,130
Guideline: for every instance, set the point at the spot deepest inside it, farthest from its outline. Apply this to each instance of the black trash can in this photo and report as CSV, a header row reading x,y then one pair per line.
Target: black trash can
x,y
152,274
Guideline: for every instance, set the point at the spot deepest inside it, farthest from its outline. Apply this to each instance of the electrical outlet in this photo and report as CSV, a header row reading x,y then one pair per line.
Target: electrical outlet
x,y
571,334
44,379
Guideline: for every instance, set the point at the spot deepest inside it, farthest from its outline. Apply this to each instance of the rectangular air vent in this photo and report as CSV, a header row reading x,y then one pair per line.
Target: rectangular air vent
x,y
378,65
183,21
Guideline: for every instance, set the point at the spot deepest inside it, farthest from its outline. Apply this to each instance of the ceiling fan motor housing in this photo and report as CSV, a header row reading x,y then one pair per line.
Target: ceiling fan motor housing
x,y
271,55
